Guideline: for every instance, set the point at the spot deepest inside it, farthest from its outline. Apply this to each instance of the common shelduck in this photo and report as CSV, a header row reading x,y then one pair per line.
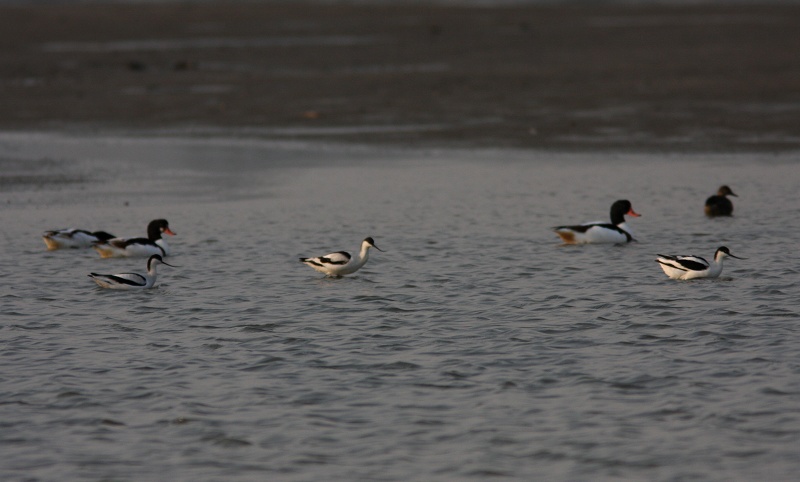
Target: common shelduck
x,y
74,238
130,247
598,232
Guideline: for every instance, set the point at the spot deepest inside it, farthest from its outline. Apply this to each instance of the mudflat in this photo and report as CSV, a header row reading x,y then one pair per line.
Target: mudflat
x,y
721,77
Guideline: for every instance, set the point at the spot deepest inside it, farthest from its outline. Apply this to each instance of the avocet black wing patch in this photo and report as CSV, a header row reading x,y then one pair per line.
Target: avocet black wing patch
x,y
340,257
132,279
686,263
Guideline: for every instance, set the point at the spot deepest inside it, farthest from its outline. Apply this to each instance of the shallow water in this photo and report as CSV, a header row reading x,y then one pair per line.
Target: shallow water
x,y
474,347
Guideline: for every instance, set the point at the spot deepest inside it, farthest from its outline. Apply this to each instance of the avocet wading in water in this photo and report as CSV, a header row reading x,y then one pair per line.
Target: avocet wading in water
x,y
138,247
599,232
74,238
341,263
131,281
691,267
719,204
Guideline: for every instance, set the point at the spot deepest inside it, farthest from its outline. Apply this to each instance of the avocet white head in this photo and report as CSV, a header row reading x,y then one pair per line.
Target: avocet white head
x,y
131,281
138,247
719,204
341,263
690,267
598,232
74,238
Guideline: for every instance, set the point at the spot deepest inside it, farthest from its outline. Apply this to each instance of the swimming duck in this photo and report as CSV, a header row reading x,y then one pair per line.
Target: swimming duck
x,y
73,238
598,232
719,204
130,247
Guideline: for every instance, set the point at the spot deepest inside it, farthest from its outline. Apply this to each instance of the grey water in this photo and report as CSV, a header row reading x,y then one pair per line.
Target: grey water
x,y
475,347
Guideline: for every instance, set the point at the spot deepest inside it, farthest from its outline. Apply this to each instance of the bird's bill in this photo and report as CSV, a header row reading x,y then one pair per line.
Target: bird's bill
x,y
170,232
633,213
732,256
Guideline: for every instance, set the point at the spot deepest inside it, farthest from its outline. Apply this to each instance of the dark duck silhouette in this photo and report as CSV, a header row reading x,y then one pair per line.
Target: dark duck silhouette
x,y
719,204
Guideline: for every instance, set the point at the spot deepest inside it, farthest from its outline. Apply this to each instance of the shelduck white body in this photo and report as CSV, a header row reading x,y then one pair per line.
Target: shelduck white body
x,y
599,232
131,281
341,263
73,238
691,267
138,247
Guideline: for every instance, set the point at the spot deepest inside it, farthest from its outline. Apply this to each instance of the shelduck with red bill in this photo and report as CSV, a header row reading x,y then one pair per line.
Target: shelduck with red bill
x,y
617,231
138,247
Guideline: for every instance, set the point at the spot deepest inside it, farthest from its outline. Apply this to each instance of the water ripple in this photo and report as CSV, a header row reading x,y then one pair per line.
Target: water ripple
x,y
475,346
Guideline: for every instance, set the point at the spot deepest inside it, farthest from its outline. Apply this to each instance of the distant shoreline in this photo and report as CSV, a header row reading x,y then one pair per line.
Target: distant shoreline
x,y
688,78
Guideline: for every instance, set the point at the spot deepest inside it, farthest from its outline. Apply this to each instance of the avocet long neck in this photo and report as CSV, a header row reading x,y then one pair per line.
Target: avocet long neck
x,y
716,267
363,255
151,275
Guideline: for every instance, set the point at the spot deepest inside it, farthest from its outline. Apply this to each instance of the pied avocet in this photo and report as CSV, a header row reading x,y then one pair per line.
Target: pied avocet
x,y
341,263
690,267
131,281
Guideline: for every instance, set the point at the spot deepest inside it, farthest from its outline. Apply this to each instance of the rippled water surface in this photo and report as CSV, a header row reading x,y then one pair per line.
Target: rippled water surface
x,y
475,347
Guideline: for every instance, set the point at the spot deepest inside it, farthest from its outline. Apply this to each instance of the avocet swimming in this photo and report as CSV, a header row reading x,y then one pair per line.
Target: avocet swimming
x,y
599,232
341,263
133,247
719,204
131,281
74,238
691,267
